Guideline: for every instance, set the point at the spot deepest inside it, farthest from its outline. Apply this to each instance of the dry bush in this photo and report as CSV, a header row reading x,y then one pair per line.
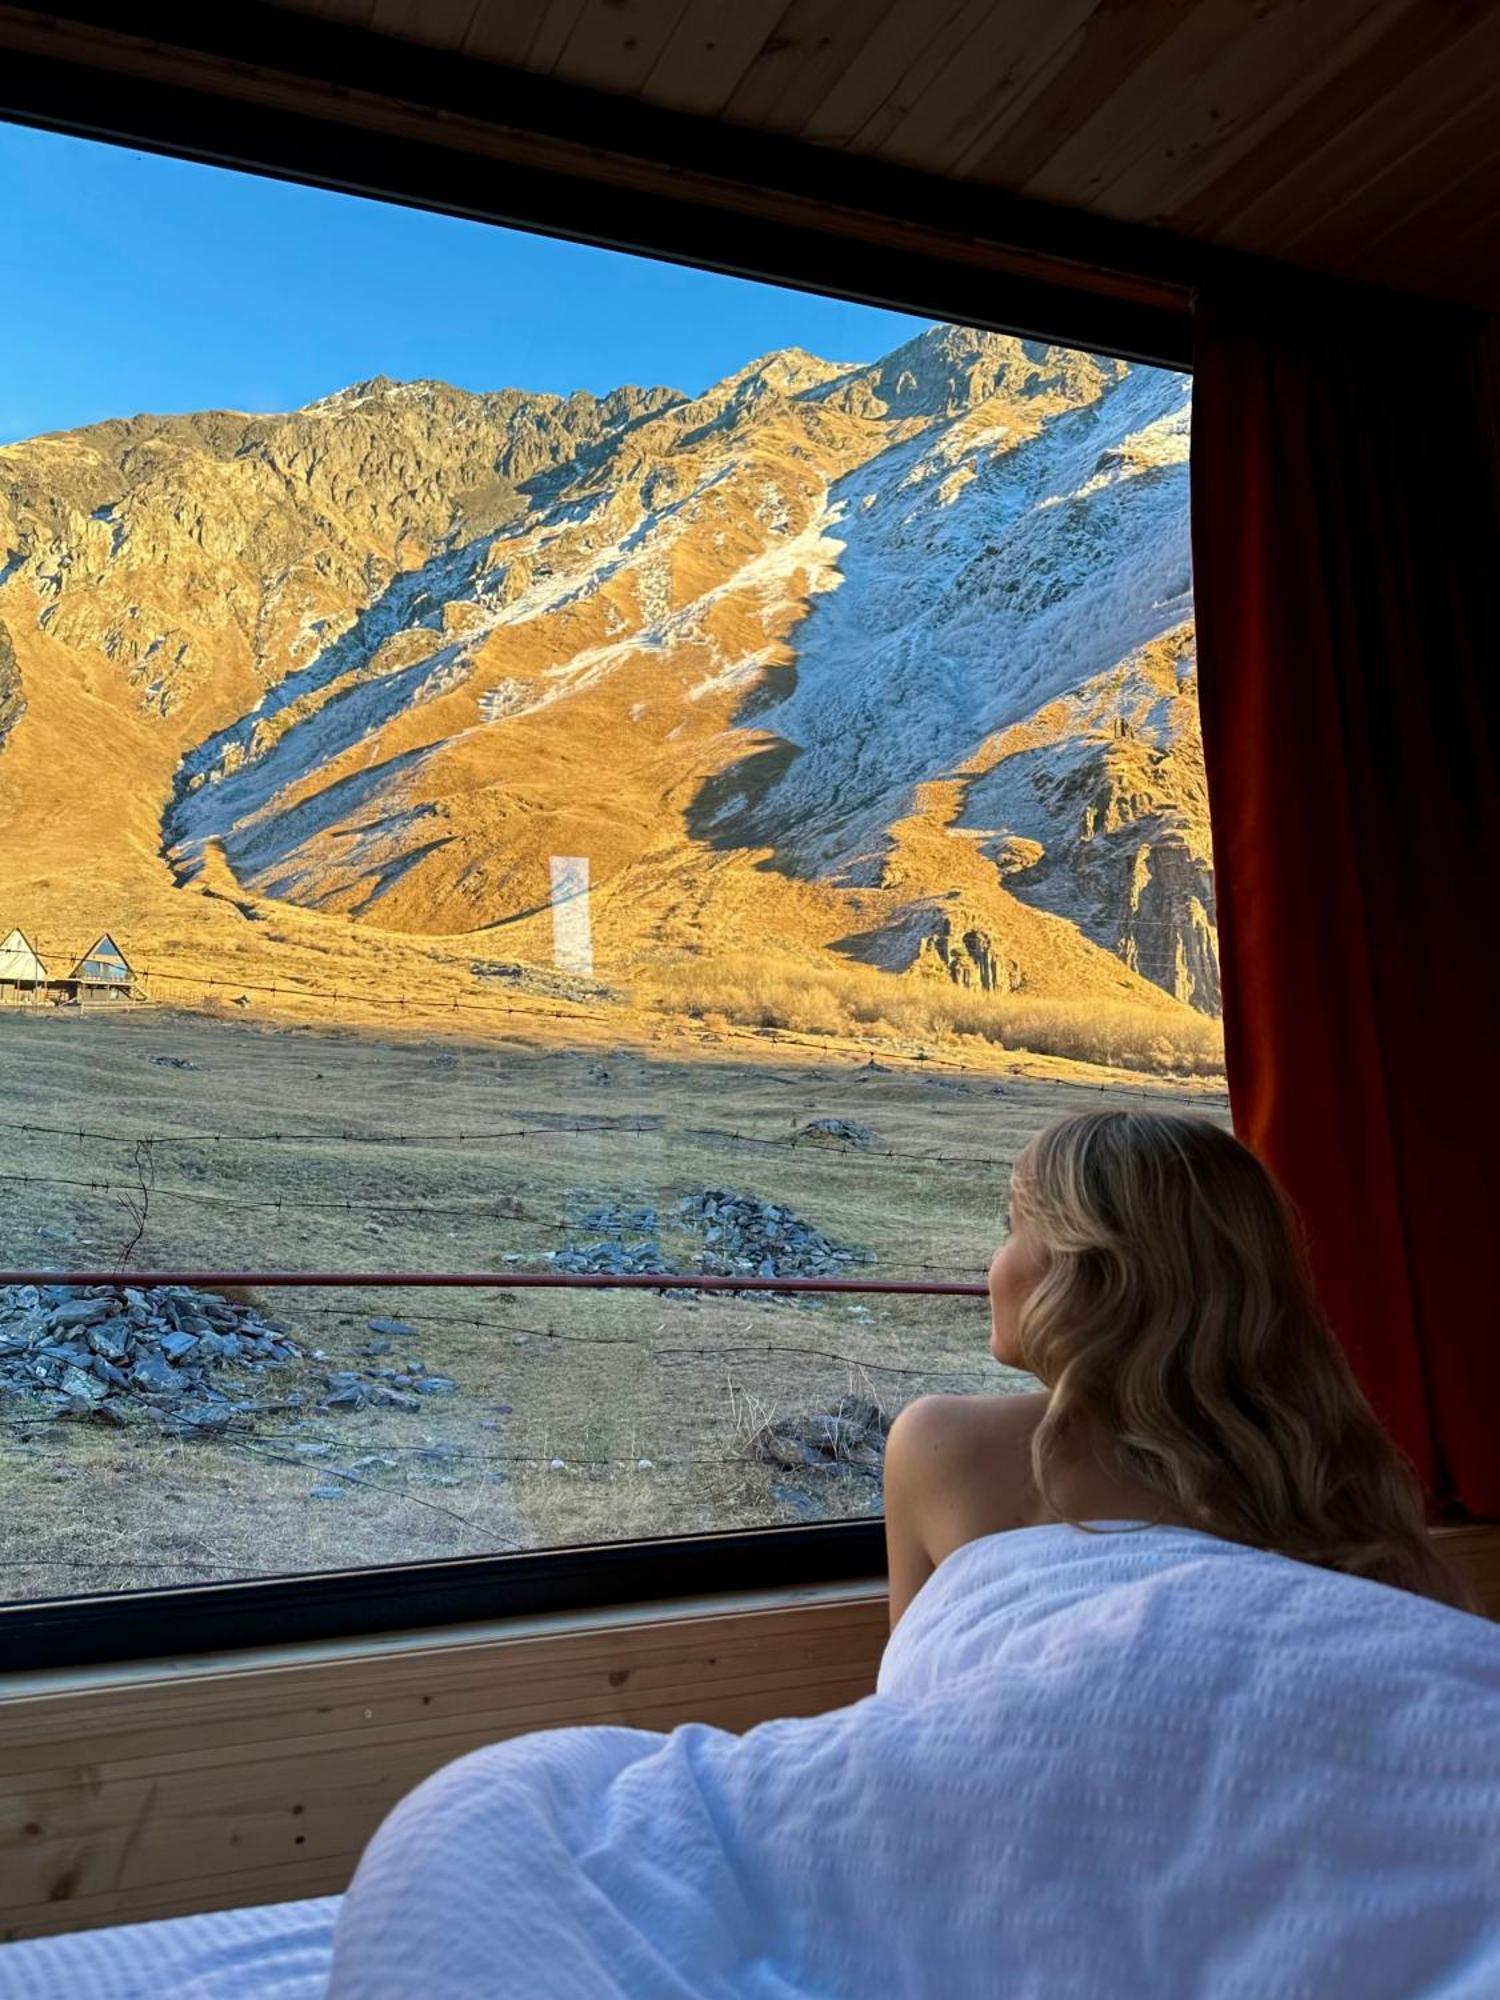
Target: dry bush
x,y
769,992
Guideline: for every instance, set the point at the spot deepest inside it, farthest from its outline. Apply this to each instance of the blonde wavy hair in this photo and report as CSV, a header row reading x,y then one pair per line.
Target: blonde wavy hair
x,y
1176,1319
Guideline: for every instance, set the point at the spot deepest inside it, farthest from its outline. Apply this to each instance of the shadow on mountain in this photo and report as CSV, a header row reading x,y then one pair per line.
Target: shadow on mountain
x,y
724,814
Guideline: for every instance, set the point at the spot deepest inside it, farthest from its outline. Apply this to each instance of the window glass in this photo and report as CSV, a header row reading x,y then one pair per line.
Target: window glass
x,y
526,761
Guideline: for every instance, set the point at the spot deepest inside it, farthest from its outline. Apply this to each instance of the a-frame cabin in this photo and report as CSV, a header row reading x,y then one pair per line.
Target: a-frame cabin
x,y
23,974
101,972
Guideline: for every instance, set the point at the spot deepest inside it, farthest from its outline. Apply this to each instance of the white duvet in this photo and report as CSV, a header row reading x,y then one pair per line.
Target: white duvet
x,y
1139,1764
1145,1765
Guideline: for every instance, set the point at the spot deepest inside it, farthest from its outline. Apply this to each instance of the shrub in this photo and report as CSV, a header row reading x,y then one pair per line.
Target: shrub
x,y
784,993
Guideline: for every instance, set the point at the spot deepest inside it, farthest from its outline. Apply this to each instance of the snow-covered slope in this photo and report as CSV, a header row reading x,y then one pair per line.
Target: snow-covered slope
x,y
980,577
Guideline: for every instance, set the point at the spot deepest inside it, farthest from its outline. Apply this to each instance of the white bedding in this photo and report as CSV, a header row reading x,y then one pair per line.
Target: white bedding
x,y
1147,1764
279,1952
1150,1765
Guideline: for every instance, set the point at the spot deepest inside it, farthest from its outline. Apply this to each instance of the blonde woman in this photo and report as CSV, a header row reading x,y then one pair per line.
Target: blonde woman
x,y
1128,1751
1153,1281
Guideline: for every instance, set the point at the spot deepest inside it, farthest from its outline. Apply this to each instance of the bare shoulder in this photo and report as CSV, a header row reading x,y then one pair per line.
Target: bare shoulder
x,y
956,1467
964,1462
953,1427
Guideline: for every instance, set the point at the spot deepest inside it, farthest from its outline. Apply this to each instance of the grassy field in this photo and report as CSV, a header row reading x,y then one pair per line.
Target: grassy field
x,y
257,1143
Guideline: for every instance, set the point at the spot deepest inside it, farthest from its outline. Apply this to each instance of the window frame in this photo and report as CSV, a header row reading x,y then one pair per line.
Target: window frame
x,y
918,263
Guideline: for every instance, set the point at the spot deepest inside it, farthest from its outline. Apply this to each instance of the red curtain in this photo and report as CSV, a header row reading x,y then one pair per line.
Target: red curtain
x,y
1346,550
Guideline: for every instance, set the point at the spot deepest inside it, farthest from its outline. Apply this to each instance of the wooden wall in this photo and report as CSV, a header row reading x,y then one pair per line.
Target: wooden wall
x,y
152,1791
149,1791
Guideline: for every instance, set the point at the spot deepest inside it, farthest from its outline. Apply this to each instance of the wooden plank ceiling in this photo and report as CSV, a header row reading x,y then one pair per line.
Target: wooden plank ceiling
x,y
1360,137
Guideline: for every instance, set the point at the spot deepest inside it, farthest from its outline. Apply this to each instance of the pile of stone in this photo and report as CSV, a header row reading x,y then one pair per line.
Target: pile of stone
x,y
619,1217
837,1132
104,1351
609,1254
849,1437
746,1237
383,1388
738,1235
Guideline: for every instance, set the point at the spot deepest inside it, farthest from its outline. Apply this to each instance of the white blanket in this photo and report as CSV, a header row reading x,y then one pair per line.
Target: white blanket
x,y
280,1951
1151,1764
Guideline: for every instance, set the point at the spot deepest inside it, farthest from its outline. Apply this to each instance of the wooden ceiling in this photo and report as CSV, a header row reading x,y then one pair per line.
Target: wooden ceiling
x,y
1070,168
1360,137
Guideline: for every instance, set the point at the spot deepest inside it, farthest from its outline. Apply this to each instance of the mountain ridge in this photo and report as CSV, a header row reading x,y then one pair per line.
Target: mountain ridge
x,y
761,654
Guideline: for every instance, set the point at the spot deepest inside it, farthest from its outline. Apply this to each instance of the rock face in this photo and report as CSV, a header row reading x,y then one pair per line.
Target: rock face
x,y
795,660
12,701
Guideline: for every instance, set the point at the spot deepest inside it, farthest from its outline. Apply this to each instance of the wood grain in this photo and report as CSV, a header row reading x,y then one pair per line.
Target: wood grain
x,y
152,1791
1332,133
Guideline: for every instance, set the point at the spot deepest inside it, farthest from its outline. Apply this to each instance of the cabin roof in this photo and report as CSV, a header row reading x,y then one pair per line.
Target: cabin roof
x,y
103,951
19,958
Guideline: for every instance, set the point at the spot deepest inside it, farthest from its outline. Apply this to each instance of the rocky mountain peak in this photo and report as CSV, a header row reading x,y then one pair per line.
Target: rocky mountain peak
x,y
818,649
947,369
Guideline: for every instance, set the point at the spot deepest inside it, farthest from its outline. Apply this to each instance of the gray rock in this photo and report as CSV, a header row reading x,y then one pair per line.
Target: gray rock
x,y
200,1419
80,1312
77,1383
78,1345
434,1385
392,1326
381,1396
156,1376
353,1396
612,1258
326,1493
743,1235
803,1504
113,1339
843,1131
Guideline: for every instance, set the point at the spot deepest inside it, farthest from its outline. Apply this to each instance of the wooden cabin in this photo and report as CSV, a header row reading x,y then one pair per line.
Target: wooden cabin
x,y
1297,204
24,977
101,973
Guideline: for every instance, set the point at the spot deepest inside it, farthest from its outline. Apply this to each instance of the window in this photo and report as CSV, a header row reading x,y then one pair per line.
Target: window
x,y
532,762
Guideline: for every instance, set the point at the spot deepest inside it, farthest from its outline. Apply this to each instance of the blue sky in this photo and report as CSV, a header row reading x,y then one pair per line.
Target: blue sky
x,y
136,283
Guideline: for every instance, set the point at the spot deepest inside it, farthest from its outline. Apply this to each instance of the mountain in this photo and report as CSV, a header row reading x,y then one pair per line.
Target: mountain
x,y
887,664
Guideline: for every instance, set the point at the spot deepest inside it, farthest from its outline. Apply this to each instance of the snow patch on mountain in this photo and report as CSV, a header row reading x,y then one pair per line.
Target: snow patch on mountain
x,y
966,607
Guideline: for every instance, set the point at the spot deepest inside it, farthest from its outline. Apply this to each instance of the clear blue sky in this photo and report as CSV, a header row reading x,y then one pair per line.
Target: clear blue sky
x,y
135,283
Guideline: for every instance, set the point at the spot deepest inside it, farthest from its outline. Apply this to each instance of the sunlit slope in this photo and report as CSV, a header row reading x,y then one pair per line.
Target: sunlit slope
x,y
891,664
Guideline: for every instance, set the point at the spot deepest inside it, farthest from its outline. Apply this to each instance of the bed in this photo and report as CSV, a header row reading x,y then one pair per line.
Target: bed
x,y
280,1951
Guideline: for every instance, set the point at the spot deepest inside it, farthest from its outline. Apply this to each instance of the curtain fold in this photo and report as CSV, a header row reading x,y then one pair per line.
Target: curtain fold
x,y
1346,551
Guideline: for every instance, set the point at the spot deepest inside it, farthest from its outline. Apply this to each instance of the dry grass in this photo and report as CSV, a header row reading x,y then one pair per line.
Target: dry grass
x,y
760,991
580,1416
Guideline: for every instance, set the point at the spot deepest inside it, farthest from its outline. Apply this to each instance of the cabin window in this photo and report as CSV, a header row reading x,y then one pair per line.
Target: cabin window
x,y
530,761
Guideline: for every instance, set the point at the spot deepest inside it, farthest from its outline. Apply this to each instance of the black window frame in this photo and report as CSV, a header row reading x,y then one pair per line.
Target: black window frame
x,y
53,88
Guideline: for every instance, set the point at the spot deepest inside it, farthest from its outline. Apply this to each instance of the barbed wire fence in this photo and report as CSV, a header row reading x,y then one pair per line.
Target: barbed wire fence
x,y
159,983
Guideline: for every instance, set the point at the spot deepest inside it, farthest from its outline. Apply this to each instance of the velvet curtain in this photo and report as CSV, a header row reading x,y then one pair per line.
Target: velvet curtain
x,y
1346,540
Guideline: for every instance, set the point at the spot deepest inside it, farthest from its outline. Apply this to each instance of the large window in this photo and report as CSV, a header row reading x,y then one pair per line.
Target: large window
x,y
528,761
